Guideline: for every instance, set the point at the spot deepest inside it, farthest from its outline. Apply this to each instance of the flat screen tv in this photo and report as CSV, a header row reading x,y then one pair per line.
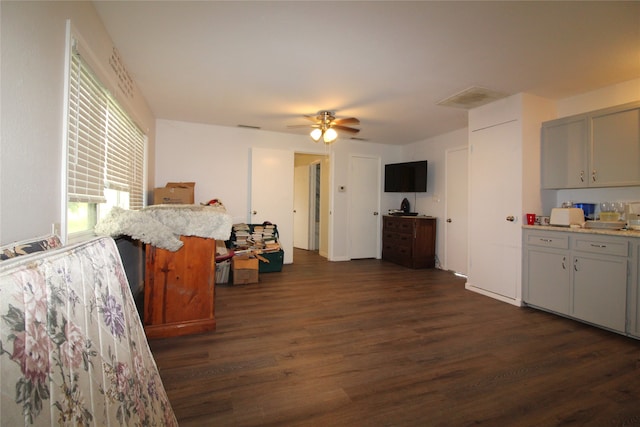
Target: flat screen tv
x,y
407,177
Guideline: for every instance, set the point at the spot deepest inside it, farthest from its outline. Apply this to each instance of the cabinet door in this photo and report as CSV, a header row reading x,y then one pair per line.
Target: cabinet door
x,y
616,148
600,290
424,254
565,153
547,281
633,302
179,289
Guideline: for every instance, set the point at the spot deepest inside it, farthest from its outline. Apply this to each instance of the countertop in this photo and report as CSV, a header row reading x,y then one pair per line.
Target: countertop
x,y
623,233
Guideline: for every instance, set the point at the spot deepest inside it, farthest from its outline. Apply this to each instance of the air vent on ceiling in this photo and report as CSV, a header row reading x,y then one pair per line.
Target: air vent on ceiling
x,y
248,127
472,97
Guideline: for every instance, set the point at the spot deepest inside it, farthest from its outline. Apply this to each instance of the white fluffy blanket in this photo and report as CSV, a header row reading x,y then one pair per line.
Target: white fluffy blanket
x,y
162,225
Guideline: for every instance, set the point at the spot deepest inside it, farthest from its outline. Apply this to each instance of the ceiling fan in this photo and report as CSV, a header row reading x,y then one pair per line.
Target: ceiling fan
x,y
325,125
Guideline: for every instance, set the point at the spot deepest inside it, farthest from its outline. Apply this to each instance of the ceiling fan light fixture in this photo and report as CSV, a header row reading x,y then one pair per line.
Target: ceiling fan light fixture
x,y
330,135
316,134
326,126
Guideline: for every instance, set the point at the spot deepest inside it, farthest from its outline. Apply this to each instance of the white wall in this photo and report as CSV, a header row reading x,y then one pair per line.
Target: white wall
x,y
217,159
433,202
602,98
32,65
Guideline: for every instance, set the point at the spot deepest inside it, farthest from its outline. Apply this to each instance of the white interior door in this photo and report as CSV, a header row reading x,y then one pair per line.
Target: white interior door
x,y
272,193
301,207
364,206
495,199
456,223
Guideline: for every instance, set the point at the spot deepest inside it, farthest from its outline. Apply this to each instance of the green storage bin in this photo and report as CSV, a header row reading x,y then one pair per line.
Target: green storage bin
x,y
274,264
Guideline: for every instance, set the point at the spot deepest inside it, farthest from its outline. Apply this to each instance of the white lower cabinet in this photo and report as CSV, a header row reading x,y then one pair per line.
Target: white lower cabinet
x,y
580,275
633,303
600,291
547,269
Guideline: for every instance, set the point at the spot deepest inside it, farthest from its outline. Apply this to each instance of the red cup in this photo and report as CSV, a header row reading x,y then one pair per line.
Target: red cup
x,y
531,219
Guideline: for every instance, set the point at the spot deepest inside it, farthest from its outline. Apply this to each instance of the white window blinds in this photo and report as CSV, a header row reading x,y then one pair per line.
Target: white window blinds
x,y
105,147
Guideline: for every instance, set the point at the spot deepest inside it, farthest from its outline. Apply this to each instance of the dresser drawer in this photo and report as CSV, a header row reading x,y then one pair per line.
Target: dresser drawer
x,y
396,252
398,225
396,238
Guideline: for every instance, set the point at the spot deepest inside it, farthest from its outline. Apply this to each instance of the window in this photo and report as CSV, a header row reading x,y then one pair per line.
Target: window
x,y
105,152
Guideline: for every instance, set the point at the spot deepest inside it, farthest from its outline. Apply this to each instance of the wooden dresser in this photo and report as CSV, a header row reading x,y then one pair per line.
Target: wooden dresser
x,y
409,240
179,289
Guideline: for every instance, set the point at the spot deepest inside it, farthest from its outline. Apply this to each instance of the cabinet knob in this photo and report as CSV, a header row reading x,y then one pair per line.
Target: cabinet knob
x,y
254,212
375,214
448,219
511,218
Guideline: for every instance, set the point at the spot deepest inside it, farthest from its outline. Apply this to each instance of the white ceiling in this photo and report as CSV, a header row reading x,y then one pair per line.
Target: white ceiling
x,y
388,63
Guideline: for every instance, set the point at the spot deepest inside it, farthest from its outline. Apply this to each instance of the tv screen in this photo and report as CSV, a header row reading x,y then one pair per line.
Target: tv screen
x,y
407,177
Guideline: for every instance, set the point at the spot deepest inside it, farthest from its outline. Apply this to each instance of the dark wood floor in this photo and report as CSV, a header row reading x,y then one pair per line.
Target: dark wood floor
x,y
369,343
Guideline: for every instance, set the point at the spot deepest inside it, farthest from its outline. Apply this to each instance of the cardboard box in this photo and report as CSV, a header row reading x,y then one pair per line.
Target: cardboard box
x,y
174,193
244,270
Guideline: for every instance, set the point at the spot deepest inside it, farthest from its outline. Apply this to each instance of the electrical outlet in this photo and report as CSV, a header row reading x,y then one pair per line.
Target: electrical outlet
x,y
342,188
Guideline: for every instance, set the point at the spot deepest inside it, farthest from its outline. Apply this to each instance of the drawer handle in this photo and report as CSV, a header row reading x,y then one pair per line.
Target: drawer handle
x,y
564,258
575,264
593,245
546,240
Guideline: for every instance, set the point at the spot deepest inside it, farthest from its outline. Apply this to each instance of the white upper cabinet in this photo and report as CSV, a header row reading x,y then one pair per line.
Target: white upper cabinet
x,y
598,149
615,141
565,149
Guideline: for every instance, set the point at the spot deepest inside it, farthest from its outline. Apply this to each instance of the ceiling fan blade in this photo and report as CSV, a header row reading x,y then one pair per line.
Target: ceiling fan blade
x,y
345,129
347,121
312,118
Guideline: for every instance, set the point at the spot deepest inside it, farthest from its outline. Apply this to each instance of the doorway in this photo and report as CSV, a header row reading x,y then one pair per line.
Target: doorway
x,y
311,202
